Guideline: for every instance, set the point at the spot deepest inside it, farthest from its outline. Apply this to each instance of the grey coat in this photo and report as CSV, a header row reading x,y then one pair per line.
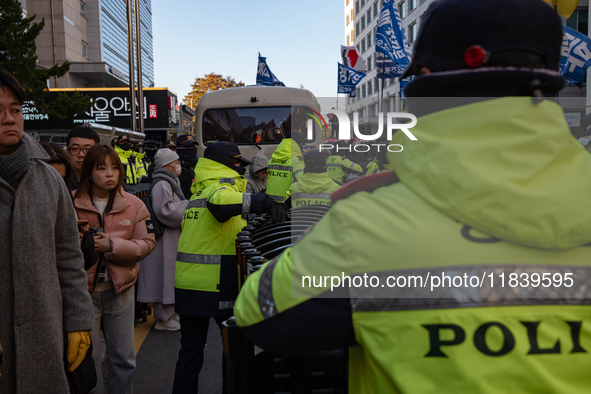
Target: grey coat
x,y
40,248
156,279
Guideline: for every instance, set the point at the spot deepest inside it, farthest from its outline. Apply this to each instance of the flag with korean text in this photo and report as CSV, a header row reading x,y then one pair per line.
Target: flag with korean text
x,y
391,45
348,80
575,56
264,74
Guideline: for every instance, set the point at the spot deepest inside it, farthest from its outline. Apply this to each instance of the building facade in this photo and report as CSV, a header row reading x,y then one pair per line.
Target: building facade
x,y
361,17
92,36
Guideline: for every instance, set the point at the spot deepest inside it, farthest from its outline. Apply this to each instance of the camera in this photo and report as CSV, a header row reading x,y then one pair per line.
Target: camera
x,y
95,230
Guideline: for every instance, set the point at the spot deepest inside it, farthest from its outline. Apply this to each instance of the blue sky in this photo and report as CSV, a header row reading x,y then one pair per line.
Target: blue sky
x,y
300,39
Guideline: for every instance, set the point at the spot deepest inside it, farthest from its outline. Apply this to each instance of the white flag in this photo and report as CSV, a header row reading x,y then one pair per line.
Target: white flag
x,y
352,59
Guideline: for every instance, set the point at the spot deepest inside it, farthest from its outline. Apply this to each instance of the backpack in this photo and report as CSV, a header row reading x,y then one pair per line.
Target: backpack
x,y
147,200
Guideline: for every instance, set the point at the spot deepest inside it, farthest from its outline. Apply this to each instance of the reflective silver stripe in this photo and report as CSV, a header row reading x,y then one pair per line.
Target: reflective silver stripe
x,y
265,296
324,196
277,198
279,167
231,181
226,305
333,165
197,203
193,258
352,165
298,171
246,204
418,294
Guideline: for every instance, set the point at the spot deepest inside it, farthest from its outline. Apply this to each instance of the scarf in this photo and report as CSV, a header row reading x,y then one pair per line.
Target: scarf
x,y
171,178
15,166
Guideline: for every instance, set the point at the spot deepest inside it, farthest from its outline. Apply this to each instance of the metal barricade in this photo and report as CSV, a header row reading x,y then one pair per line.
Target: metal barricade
x,y
253,370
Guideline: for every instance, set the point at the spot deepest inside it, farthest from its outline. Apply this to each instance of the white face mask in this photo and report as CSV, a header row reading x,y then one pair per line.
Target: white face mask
x,y
178,169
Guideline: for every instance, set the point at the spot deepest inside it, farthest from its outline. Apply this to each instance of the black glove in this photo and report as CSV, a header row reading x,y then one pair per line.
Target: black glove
x,y
277,212
88,250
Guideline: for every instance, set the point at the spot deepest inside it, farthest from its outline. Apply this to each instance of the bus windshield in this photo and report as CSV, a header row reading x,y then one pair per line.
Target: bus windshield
x,y
260,125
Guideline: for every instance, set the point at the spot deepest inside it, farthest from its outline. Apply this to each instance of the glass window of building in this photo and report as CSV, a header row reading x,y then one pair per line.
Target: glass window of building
x,y
369,91
376,84
363,91
348,39
357,8
358,48
375,9
368,63
362,3
358,93
369,40
368,16
347,20
362,22
579,21
82,9
402,10
357,31
363,45
412,33
412,4
84,49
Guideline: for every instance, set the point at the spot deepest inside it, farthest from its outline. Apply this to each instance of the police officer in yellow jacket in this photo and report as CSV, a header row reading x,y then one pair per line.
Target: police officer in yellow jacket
x,y
339,166
315,186
206,279
285,167
142,160
468,270
134,170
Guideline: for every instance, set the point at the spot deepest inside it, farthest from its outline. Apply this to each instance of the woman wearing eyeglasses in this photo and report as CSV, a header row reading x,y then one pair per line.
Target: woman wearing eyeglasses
x,y
124,237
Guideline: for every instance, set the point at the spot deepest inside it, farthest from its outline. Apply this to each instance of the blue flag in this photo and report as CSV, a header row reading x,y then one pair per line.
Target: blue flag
x,y
264,74
391,41
348,80
575,56
386,68
403,83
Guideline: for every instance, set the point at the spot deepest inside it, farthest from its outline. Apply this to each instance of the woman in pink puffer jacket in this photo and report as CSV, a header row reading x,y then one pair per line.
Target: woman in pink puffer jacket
x,y
124,237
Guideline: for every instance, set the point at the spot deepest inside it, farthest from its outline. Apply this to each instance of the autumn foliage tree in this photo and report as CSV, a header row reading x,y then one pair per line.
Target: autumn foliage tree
x,y
18,57
208,83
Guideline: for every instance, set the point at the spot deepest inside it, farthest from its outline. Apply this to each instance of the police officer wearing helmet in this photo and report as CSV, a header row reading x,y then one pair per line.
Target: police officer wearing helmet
x,y
315,186
206,279
480,193
134,169
285,167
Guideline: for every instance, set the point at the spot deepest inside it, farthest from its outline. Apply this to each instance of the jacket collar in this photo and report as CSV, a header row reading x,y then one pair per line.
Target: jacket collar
x,y
443,90
123,153
119,203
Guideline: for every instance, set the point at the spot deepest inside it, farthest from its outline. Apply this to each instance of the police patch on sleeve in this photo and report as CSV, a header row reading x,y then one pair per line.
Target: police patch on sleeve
x,y
149,226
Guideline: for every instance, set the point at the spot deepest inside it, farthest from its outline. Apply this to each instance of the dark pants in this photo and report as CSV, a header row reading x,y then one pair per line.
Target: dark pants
x,y
193,339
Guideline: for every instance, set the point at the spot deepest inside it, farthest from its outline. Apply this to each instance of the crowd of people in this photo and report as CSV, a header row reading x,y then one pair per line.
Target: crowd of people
x,y
106,246
74,245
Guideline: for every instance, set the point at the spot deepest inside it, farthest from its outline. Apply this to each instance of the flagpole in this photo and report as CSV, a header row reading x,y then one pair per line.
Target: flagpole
x,y
383,80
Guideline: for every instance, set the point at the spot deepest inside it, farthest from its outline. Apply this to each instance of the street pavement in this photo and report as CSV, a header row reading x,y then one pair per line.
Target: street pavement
x,y
157,355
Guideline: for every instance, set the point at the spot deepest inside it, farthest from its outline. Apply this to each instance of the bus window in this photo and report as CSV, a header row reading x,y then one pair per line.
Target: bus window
x,y
261,125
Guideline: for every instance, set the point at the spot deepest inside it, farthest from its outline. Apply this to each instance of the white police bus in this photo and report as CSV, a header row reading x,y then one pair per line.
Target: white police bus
x,y
256,118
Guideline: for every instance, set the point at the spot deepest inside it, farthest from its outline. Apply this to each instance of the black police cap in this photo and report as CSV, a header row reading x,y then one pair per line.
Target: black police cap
x,y
315,162
461,34
223,153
